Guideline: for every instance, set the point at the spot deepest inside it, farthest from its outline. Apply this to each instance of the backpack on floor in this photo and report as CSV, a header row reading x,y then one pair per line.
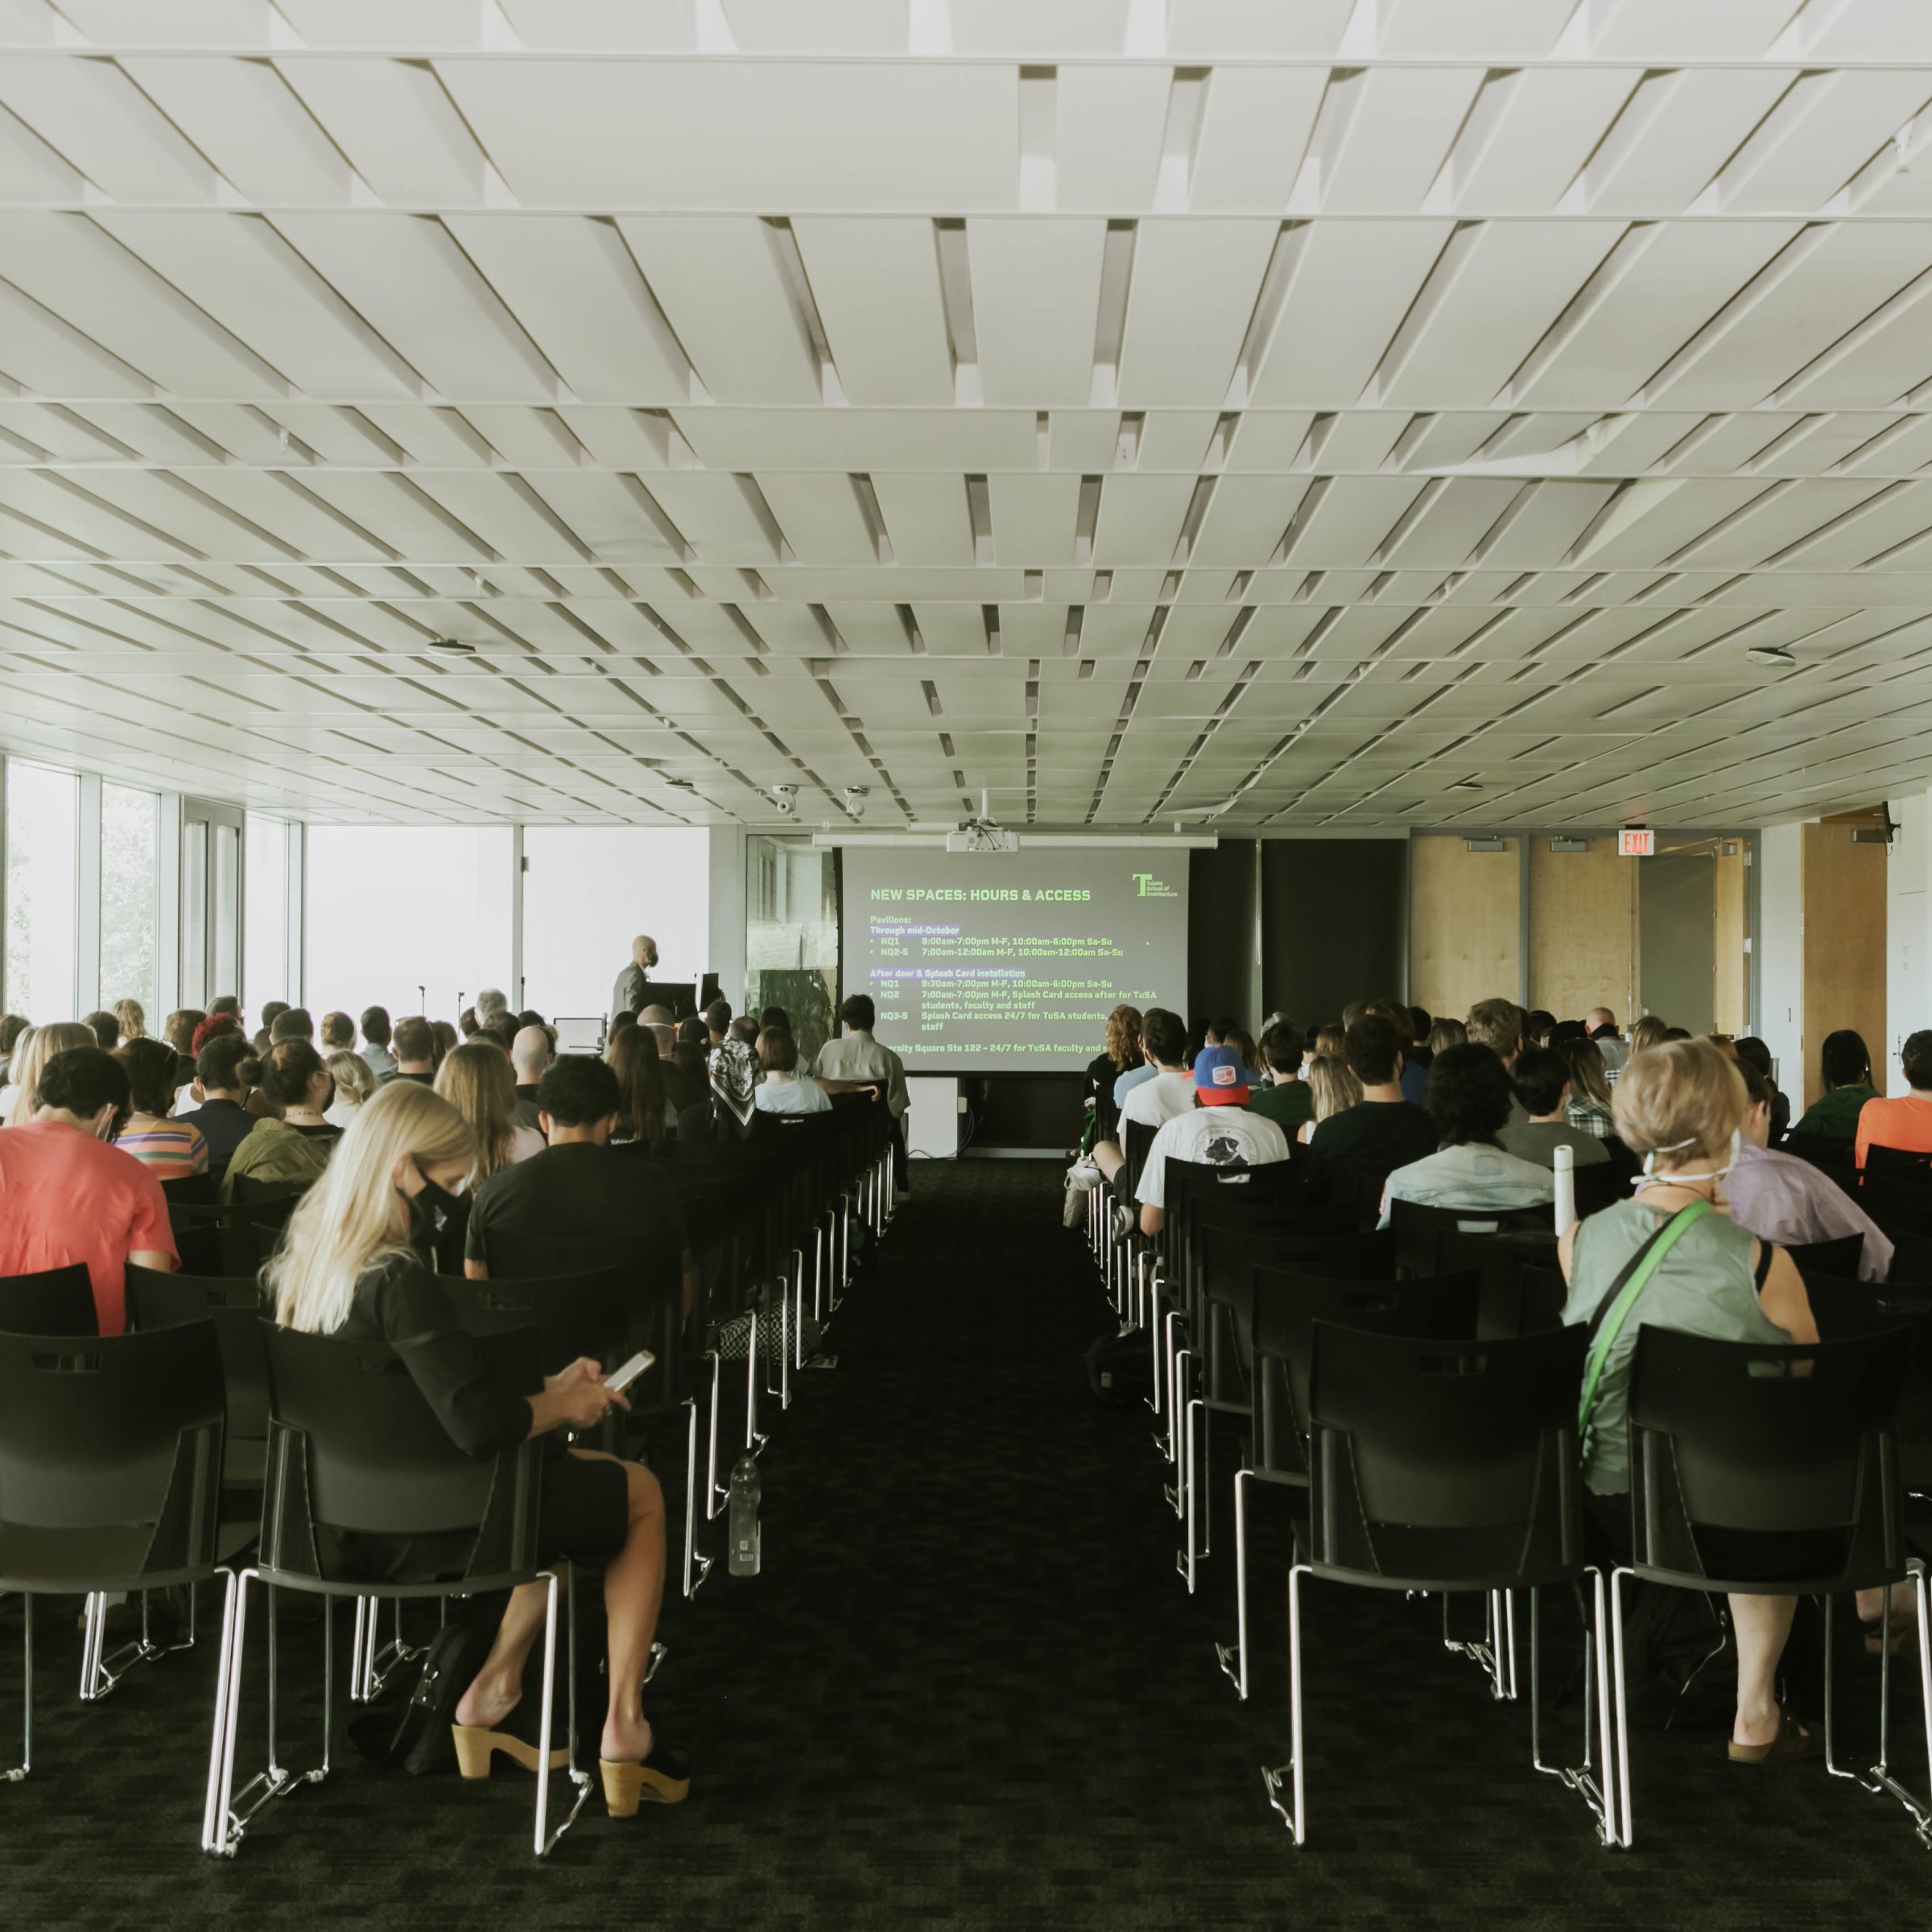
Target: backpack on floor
x,y
1120,1368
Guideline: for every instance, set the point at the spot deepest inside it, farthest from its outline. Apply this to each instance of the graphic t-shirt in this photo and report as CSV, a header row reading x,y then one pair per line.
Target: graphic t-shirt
x,y
1215,1137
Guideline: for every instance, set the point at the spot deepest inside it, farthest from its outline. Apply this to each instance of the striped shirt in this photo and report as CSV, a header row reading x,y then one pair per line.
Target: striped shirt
x,y
167,1148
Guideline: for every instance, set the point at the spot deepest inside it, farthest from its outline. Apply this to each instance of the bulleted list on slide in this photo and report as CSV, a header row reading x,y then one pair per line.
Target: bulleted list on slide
x,y
1009,962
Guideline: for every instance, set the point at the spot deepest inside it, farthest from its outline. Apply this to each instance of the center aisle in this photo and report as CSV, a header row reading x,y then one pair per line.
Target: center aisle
x,y
970,1690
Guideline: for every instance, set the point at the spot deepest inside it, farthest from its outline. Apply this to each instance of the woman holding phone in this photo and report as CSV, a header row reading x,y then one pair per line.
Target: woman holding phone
x,y
352,1263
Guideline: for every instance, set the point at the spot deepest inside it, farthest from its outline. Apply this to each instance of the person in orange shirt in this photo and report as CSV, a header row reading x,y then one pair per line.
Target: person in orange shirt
x,y
1906,1123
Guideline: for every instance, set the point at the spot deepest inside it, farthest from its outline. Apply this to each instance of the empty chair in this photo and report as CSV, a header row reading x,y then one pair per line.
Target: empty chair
x,y
1419,1230
1447,1468
57,1301
1836,1257
1286,1306
1759,1470
236,1308
129,1502
196,1189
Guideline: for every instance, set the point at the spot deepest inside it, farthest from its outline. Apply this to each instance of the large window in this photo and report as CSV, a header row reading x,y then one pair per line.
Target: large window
x,y
265,974
43,876
589,891
130,881
416,919
791,933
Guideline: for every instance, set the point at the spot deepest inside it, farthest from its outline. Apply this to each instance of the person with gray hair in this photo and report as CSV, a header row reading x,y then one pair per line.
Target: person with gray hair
x,y
491,1005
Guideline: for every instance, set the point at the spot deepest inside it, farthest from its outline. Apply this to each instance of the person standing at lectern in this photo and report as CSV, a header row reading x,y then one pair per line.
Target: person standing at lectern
x,y
628,994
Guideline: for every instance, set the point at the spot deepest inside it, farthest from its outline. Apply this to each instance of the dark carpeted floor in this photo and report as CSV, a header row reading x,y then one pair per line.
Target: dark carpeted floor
x,y
970,1690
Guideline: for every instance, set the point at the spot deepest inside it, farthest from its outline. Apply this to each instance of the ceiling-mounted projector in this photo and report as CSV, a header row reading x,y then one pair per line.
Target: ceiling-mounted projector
x,y
982,834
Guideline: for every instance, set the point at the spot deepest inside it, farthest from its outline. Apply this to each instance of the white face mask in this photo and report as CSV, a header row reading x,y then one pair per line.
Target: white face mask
x,y
1651,1177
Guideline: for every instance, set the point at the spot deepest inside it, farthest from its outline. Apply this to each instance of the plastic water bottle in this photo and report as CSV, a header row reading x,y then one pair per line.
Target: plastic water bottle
x,y
1566,1188
745,1491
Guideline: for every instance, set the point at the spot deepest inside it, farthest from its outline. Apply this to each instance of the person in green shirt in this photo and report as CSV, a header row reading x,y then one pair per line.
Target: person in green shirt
x,y
1846,1062
1287,1101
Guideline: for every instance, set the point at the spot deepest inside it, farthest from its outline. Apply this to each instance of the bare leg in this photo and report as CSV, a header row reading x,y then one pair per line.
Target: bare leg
x,y
1872,1606
1107,1157
1763,1626
499,1684
634,1593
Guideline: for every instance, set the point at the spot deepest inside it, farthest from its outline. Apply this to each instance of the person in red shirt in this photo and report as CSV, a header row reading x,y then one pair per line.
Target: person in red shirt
x,y
1905,1122
67,1196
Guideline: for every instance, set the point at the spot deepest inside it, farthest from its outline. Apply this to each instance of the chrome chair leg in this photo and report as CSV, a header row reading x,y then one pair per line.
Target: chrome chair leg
x,y
712,1492
1295,1813
18,1772
1234,1662
1878,1780
1582,1778
696,1566
1621,1773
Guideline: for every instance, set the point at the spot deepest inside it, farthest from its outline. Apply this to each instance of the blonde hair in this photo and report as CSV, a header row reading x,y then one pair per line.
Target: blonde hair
x,y
353,1218
1589,1080
354,1082
475,1080
1681,1101
37,1047
1446,1033
1333,1087
1647,1032
1496,1024
1123,1045
132,1018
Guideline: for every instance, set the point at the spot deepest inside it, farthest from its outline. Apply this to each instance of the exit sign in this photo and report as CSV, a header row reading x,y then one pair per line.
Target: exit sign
x,y
1635,842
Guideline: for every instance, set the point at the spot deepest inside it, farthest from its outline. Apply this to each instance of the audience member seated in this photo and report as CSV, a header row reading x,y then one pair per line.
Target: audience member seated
x,y
1846,1062
12,1027
221,1089
70,1198
1781,1199
744,1029
1286,1100
355,1087
476,1080
467,1022
1243,1043
717,1023
375,1043
416,1043
1678,1105
593,1204
1542,1079
338,1032
1905,1122
1469,1097
782,1091
130,1017
491,1006
1588,1107
1381,1131
1498,1025
105,1028
1445,1033
167,1148
1645,1033
1332,1089
227,1006
1752,1052
1169,1088
530,1051
37,1046
729,1112
644,1113
694,1045
1218,1131
855,1059
681,1089
290,1145
179,1031
213,1027
1538,1026
353,1264
443,1039
1331,1039
1600,1024
293,1023
1121,1055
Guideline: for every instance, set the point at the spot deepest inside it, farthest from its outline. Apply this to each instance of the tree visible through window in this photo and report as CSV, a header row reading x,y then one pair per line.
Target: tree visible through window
x,y
128,881
42,849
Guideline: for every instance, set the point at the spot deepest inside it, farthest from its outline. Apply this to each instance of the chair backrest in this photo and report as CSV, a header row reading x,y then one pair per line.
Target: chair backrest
x,y
104,1432
1287,1306
236,1307
1907,1161
1725,1435
1598,1186
1501,1258
198,1189
571,1315
249,1192
1447,1463
57,1301
1419,1230
1841,1257
1833,1152
1911,1256
354,1447
1139,1137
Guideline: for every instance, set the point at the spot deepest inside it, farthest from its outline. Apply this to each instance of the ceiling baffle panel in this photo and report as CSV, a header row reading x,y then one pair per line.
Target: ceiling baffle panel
x,y
1279,416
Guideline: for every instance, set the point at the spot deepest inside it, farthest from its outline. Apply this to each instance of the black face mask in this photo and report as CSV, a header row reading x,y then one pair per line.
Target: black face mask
x,y
430,1211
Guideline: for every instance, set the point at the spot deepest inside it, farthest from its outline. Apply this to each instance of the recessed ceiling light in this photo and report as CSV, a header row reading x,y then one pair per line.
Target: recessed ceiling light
x,y
1771,653
454,647
681,784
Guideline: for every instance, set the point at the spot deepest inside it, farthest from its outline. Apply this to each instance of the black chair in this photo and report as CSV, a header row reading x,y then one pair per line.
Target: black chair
x,y
1911,1256
1448,1467
1907,1161
1286,1305
1726,1438
1502,1259
1841,1257
1598,1186
57,1301
250,1192
129,1503
156,1300
195,1190
1836,1153
355,1452
1419,1230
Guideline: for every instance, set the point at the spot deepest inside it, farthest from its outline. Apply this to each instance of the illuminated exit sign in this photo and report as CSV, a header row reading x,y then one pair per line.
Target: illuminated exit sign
x,y
1636,842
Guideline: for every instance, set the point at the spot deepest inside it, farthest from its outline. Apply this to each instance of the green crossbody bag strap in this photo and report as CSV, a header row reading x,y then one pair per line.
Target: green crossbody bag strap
x,y
1615,1309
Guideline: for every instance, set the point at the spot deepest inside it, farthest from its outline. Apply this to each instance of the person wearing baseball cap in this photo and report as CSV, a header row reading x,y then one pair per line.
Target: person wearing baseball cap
x,y
1218,1131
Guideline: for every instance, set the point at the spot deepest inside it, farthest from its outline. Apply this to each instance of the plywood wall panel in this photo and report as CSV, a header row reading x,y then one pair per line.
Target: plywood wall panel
x,y
1844,901
1465,932
1583,931
1734,1014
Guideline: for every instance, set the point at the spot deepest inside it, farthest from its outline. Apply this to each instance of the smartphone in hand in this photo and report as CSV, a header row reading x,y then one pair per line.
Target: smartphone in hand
x,y
621,1377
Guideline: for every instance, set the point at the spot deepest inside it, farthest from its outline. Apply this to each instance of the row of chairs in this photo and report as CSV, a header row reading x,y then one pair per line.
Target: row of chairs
x,y
207,1417
1414,1394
